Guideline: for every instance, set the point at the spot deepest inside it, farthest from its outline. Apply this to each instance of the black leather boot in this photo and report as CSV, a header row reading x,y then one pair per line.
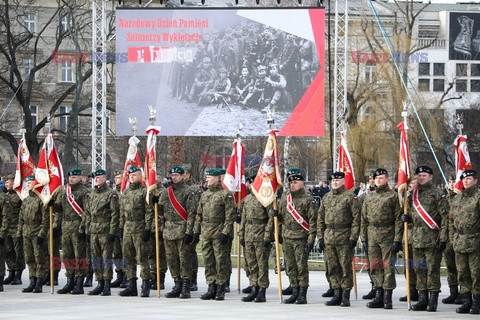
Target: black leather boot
x,y
286,292
88,280
453,295
98,289
78,286
31,286
467,303
18,278
68,287
261,295
413,295
176,290
1,284
118,281
248,289
38,287
11,276
293,297
211,292
329,293
252,295
432,301
193,283
106,288
337,298
422,301
130,290
220,295
145,289
370,295
227,286
302,296
387,299
185,289
345,298
377,302
459,300
475,309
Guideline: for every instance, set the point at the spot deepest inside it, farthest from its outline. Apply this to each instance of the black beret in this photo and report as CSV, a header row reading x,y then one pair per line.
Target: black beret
x,y
425,169
372,174
294,177
379,172
337,175
469,173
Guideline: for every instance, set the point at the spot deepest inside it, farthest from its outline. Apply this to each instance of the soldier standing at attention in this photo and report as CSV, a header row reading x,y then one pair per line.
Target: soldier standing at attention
x,y
214,221
101,224
382,226
298,220
428,212
465,232
5,218
121,280
338,229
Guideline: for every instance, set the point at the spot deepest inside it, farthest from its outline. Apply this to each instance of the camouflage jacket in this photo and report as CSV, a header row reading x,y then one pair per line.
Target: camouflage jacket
x,y
305,206
65,216
136,214
465,221
215,212
5,215
436,204
102,212
339,217
15,204
175,226
256,223
34,218
381,216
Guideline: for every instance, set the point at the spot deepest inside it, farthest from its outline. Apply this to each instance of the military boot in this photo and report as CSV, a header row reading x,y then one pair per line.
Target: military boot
x,y
329,293
55,278
377,302
248,289
162,280
118,281
387,299
9,279
176,290
227,286
252,295
293,297
413,295
467,303
68,287
432,301
422,301
78,286
107,284
370,295
459,299
1,284
185,289
18,278
337,298
345,298
98,289
475,309
302,296
31,286
261,295
130,290
88,280
38,287
286,292
453,295
220,295
145,288
211,292
193,284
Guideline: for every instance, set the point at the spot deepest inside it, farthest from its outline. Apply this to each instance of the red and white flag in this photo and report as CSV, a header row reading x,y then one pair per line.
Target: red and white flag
x,y
151,159
462,161
234,179
49,172
133,159
403,161
344,164
268,179
24,168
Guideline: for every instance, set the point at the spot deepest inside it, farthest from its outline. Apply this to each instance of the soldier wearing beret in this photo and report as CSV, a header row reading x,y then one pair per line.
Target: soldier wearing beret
x,y
230,241
298,220
214,221
382,226
248,180
338,228
5,218
69,204
465,233
101,223
428,213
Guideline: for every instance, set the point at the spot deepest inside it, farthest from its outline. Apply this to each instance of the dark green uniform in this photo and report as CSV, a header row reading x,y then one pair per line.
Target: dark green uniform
x,y
449,253
117,251
5,218
15,257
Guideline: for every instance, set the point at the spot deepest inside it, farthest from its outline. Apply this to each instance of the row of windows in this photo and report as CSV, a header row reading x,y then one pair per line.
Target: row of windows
x,y
29,22
461,70
66,70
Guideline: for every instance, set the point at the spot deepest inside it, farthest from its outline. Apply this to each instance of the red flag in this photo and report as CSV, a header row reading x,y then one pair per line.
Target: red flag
x,y
49,173
404,160
344,164
234,179
268,179
462,161
133,159
24,168
151,160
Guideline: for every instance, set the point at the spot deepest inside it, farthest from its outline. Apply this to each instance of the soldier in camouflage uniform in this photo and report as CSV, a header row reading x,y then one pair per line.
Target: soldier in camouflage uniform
x,y
177,205
69,203
5,218
136,221
464,229
101,222
86,181
382,226
14,249
371,187
338,228
256,235
298,238
32,229
230,241
248,180
152,258
215,218
428,240
121,280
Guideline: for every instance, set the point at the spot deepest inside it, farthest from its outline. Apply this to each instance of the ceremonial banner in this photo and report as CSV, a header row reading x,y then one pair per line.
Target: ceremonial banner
x,y
462,161
24,168
133,159
403,162
49,172
234,179
151,160
344,164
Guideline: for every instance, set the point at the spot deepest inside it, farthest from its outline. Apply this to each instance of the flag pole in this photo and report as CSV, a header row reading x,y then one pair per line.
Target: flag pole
x,y
239,197
50,214
405,211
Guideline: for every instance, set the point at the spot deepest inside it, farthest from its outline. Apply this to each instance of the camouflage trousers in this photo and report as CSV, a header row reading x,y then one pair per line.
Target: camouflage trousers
x,y
14,256
427,268
2,260
88,252
74,248
216,261
296,261
152,255
256,255
412,274
135,250
380,262
102,262
339,259
36,257
178,259
449,256
194,258
117,249
327,269
468,267
229,260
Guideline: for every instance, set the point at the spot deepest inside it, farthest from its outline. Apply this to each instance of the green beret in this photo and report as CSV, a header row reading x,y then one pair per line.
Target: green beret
x,y
30,178
222,171
251,178
177,169
292,171
98,172
10,176
212,172
117,172
75,172
133,169
186,166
